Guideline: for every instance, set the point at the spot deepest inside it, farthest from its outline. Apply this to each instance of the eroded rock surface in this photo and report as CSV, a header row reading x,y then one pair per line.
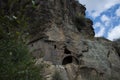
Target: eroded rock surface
x,y
73,52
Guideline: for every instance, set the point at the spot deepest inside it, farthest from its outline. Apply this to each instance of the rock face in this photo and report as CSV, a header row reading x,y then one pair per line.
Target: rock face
x,y
64,39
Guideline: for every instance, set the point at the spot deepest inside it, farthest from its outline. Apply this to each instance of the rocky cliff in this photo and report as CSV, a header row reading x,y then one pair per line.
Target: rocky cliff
x,y
63,39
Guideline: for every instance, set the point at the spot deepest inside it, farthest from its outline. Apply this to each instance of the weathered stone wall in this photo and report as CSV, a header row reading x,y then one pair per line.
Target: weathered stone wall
x,y
77,55
55,17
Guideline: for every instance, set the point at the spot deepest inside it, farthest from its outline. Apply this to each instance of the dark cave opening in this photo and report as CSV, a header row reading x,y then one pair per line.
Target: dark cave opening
x,y
70,59
66,51
55,46
67,60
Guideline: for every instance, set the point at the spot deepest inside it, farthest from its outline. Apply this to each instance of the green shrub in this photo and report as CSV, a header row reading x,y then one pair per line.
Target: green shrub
x,y
16,63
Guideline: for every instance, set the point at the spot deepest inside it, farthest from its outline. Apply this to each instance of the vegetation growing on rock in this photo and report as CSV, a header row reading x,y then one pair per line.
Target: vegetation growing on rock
x,y
80,22
16,63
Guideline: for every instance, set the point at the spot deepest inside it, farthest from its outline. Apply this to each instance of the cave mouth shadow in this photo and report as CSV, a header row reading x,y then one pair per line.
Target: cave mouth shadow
x,y
66,51
70,59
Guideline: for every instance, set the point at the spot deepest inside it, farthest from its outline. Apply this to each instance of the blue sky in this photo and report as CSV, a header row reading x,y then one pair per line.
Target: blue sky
x,y
106,17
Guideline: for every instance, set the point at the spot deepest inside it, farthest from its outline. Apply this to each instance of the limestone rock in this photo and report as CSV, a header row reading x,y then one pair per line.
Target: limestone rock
x,y
74,53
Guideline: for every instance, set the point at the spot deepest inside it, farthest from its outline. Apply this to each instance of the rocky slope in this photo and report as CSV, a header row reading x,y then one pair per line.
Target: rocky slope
x,y
63,39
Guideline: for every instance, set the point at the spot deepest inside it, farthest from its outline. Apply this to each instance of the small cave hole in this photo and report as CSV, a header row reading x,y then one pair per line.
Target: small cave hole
x,y
55,46
70,59
66,51
67,60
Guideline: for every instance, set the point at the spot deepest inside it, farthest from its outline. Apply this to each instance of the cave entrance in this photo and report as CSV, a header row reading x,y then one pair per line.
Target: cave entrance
x,y
70,59
66,51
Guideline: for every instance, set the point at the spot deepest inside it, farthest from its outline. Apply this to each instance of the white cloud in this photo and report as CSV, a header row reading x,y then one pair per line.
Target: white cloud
x,y
101,31
118,12
96,25
108,23
96,7
94,14
104,18
114,33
